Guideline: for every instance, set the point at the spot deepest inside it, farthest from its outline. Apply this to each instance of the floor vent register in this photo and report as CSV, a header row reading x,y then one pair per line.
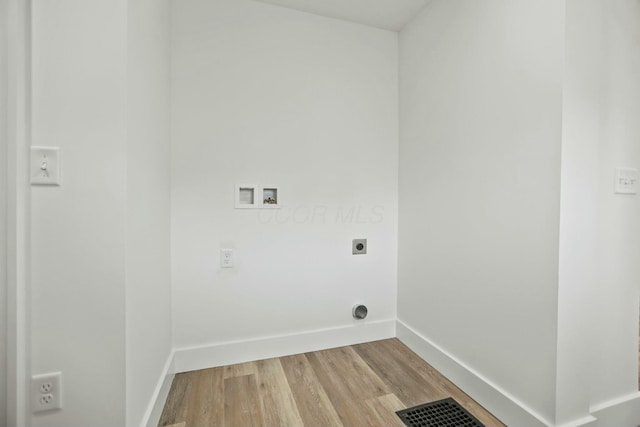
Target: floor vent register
x,y
443,413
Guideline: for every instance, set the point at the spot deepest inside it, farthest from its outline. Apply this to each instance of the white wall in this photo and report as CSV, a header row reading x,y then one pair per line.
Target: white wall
x,y
78,229
598,304
578,270
616,309
598,307
272,96
148,276
481,111
101,259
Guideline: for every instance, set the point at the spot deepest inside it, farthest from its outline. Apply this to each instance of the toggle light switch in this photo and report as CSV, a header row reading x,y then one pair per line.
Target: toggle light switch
x,y
626,181
45,166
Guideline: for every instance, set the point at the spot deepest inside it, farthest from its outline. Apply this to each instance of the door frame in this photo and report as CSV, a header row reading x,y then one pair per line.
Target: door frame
x,y
17,210
3,210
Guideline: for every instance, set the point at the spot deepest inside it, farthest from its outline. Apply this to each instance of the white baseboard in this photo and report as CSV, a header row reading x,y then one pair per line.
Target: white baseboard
x,y
228,353
506,408
159,398
622,412
588,421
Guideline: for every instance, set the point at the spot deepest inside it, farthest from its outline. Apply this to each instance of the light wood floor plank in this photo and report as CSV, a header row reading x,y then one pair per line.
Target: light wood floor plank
x,y
242,406
239,370
399,374
349,382
205,408
278,405
312,401
177,404
385,407
347,370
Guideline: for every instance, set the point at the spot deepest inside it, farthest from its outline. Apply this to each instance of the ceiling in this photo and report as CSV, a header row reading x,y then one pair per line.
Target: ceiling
x,y
387,14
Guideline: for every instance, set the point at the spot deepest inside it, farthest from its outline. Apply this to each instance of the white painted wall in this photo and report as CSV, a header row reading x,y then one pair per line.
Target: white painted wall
x,y
148,274
578,269
78,229
600,231
273,96
481,111
616,309
101,259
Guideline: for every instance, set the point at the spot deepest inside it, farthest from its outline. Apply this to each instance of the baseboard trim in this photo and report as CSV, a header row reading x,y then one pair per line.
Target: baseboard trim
x,y
156,405
588,421
505,407
228,353
624,411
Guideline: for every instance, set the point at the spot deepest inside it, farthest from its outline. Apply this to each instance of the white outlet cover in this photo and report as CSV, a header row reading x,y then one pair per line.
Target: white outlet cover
x,y
626,181
46,165
46,392
226,258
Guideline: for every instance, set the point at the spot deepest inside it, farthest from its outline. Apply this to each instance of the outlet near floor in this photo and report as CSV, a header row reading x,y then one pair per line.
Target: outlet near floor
x,y
46,392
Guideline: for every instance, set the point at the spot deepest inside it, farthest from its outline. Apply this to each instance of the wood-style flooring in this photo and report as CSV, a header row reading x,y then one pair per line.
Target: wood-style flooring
x,y
356,386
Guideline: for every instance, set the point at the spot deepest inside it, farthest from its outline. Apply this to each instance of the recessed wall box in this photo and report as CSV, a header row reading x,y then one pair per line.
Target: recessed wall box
x,y
270,197
246,196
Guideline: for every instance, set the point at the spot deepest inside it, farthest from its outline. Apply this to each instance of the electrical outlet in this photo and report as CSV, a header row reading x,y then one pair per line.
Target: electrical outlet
x,y
46,399
226,258
359,246
46,392
46,387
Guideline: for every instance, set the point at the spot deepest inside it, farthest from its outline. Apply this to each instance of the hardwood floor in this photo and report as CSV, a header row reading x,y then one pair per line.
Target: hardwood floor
x,y
356,386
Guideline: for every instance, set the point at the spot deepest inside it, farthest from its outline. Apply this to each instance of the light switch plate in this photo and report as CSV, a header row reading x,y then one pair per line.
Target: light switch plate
x,y
46,165
626,181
